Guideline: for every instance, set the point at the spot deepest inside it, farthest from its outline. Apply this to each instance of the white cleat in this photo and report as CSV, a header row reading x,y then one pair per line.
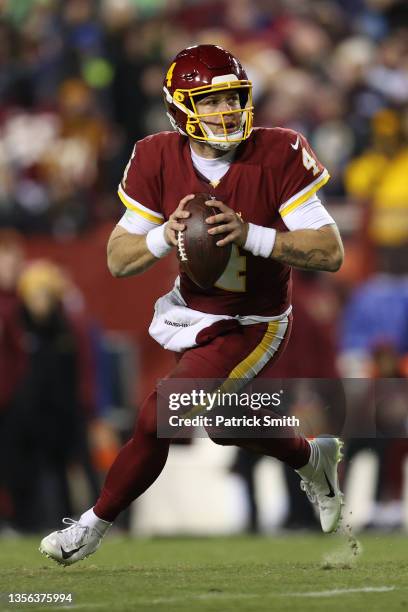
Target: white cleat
x,y
322,486
72,544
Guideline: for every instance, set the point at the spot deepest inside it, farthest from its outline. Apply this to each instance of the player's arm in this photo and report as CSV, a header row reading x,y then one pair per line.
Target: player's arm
x,y
310,249
142,236
128,253
313,242
132,250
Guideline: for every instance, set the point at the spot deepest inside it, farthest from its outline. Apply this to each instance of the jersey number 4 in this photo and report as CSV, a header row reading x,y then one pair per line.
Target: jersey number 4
x,y
309,162
234,275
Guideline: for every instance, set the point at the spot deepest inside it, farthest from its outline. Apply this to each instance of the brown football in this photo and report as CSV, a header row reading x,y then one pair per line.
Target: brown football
x,y
199,256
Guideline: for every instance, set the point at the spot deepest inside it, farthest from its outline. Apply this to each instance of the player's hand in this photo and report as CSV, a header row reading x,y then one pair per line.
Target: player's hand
x,y
175,224
231,224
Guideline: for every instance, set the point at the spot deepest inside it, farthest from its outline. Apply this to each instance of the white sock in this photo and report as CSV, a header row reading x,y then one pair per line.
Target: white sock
x,y
306,472
90,519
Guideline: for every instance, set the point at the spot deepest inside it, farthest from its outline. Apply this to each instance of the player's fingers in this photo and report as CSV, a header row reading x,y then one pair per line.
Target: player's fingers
x,y
218,204
179,213
221,229
186,199
171,236
175,226
219,218
230,238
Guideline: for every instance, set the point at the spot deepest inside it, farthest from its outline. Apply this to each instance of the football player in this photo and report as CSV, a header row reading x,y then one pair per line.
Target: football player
x,y
263,184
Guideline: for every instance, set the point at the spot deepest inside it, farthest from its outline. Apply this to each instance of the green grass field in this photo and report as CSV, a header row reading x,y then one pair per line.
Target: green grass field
x,y
218,574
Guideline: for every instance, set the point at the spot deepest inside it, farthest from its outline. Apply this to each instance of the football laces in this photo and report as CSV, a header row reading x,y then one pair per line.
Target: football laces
x,y
181,246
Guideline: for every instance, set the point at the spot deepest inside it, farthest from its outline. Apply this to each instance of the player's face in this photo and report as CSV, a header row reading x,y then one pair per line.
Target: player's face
x,y
223,104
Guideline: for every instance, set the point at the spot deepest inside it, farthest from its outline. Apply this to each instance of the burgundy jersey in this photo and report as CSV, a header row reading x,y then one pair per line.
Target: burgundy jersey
x,y
272,173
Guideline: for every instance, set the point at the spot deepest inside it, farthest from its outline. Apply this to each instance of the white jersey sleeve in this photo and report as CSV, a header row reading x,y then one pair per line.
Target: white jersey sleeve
x,y
133,223
309,215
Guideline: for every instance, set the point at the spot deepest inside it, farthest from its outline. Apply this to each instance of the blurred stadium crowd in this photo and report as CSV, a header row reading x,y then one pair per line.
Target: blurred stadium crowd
x,y
80,81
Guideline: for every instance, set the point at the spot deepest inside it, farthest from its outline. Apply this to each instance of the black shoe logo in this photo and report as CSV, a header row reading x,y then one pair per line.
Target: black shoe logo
x,y
67,555
331,492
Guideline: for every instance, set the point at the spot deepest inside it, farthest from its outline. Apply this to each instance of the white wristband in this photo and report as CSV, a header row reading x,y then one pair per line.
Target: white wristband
x,y
156,242
260,240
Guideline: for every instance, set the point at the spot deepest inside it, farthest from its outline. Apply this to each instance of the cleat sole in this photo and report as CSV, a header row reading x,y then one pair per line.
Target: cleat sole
x,y
60,562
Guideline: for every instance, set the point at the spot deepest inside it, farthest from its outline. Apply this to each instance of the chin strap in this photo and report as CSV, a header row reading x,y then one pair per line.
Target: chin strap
x,y
223,146
226,145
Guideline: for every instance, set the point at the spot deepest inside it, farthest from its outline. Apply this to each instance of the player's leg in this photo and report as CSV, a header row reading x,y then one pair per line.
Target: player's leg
x,y
242,354
142,459
136,467
245,354
319,478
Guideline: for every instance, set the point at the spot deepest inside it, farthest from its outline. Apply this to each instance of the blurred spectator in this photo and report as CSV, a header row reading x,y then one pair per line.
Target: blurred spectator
x,y
52,164
11,262
377,179
389,439
11,353
376,314
45,424
374,345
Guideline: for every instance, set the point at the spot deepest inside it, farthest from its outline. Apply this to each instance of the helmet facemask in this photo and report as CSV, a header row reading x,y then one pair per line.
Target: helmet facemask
x,y
186,100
